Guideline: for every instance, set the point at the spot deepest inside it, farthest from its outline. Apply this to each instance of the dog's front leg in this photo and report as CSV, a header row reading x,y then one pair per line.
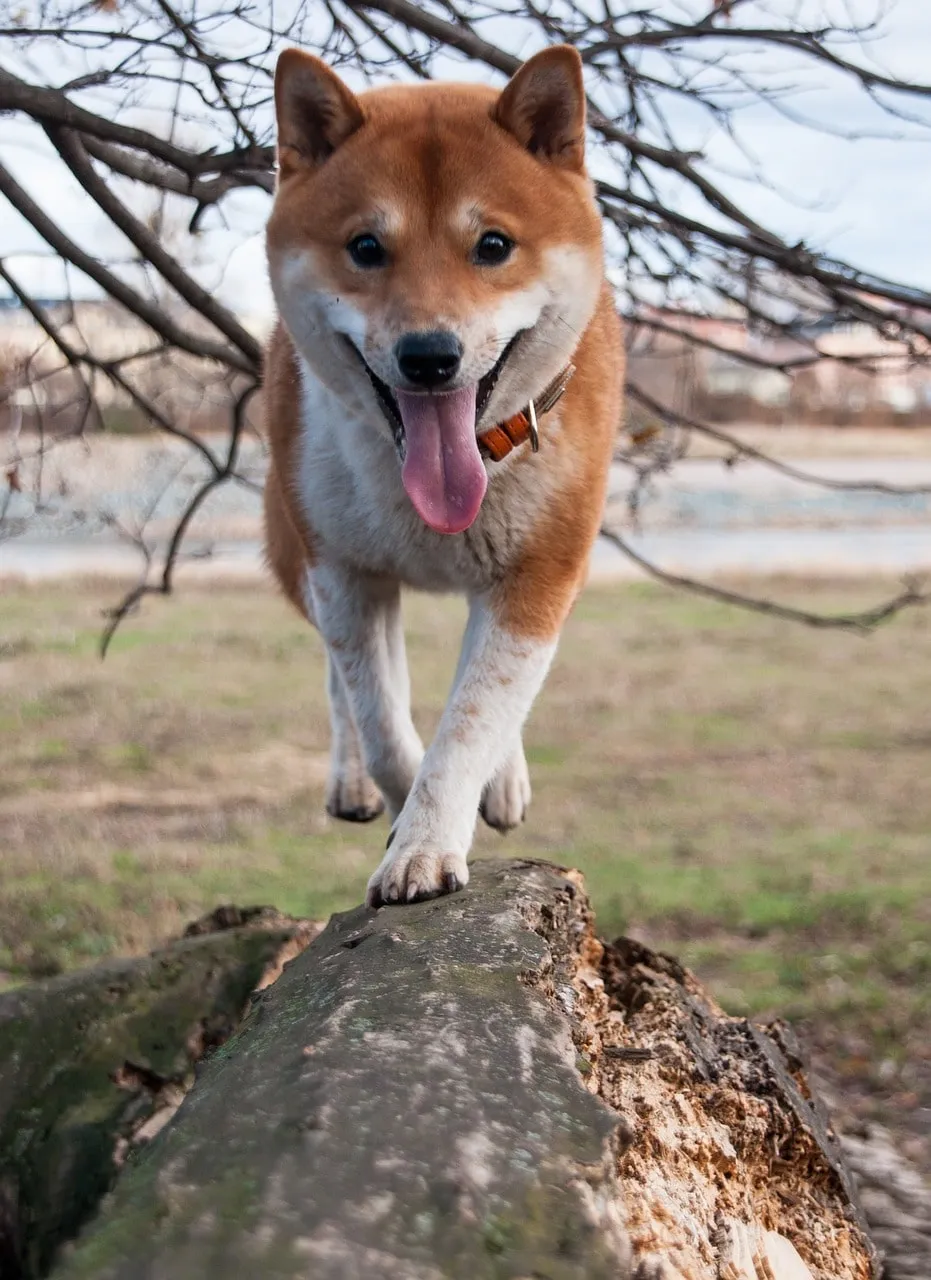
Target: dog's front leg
x,y
499,676
359,619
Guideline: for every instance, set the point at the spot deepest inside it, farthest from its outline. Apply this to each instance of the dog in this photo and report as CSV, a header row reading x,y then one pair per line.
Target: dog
x,y
443,392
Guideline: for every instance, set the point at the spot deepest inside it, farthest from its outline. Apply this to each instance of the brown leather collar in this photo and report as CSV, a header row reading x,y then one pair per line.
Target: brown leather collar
x,y
498,441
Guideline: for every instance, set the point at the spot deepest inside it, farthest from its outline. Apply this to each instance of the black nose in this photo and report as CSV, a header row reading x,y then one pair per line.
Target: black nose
x,y
429,359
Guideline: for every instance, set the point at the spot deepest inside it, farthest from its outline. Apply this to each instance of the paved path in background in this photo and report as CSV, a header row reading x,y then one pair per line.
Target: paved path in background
x,y
693,552
703,519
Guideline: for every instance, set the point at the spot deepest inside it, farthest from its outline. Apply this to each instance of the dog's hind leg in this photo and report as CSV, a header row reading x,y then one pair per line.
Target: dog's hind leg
x,y
359,619
351,794
506,797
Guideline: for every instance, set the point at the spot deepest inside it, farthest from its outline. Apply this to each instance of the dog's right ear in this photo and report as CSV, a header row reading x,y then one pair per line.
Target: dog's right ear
x,y
316,111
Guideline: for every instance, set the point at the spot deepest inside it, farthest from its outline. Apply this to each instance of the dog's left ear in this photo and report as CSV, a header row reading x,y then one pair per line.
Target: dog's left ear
x,y
543,106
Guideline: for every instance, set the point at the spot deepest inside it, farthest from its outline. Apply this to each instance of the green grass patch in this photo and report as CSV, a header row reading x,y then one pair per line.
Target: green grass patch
x,y
753,796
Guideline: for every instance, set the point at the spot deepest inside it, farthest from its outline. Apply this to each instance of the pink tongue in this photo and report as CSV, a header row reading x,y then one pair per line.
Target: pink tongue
x,y
443,470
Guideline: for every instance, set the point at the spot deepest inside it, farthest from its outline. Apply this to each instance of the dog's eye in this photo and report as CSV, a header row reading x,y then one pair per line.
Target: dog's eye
x,y
493,249
366,251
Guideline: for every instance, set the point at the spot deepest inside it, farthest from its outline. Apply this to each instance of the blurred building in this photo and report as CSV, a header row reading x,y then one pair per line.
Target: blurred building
x,y
35,379
832,370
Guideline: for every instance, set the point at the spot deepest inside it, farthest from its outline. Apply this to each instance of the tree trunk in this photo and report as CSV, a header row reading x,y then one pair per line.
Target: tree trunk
x,y
475,1087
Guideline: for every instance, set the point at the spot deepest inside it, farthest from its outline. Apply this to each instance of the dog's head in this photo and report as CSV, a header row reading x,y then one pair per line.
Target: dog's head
x,y
442,240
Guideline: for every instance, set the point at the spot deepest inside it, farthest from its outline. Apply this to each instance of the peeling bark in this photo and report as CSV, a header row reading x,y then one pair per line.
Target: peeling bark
x,y
733,1170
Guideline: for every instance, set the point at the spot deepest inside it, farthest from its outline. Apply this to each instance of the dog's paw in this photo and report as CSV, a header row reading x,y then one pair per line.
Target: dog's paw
x,y
354,799
507,797
413,877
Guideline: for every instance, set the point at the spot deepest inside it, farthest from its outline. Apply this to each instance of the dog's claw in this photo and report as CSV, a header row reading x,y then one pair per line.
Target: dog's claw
x,y
416,877
373,898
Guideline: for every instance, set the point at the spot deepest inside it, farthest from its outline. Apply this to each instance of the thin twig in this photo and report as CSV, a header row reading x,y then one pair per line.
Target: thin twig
x,y
738,448
165,583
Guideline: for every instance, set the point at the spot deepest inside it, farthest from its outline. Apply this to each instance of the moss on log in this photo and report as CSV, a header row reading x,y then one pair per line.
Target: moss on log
x,y
404,1102
93,1063
475,1088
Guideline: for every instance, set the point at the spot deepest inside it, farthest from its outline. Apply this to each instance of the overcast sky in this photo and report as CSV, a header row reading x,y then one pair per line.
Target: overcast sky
x,y
866,201
875,193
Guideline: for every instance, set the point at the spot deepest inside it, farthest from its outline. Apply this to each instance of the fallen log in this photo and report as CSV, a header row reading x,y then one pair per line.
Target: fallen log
x,y
475,1087
94,1063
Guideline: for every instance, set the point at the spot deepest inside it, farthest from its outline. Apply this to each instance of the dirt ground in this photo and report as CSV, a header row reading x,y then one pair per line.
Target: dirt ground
x,y
751,795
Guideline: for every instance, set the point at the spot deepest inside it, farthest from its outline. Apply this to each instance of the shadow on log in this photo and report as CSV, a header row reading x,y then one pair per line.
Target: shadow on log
x,y
476,1087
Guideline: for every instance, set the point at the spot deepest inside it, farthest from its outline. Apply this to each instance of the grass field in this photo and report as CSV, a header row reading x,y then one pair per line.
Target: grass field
x,y
750,794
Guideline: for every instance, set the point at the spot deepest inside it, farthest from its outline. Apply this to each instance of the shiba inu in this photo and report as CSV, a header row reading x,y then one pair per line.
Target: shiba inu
x,y
442,394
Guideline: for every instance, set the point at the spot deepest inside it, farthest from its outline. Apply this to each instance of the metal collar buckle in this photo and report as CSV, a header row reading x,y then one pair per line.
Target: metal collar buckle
x,y
555,391
534,429
498,441
546,401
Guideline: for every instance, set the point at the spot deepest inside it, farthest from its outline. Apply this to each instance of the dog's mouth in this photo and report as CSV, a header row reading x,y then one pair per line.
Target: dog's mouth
x,y
388,400
435,435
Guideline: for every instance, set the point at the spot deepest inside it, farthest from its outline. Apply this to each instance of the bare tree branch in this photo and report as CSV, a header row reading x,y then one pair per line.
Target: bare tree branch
x,y
51,106
862,623
171,102
151,313
68,145
740,449
163,586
